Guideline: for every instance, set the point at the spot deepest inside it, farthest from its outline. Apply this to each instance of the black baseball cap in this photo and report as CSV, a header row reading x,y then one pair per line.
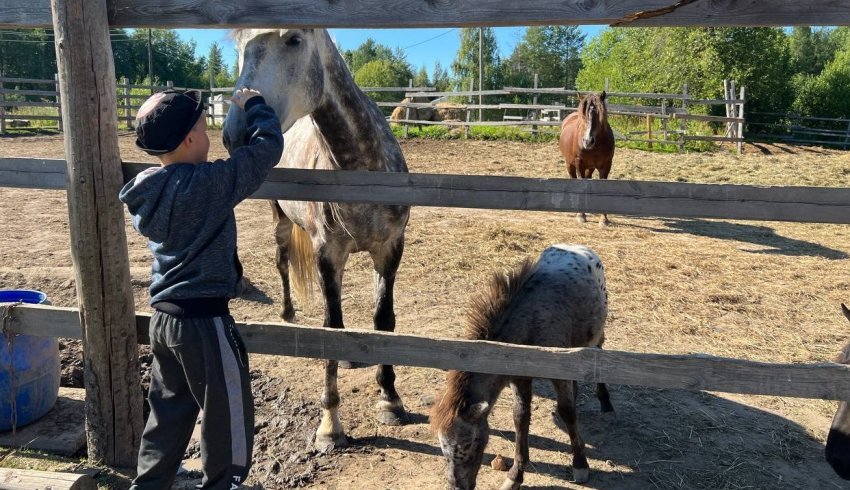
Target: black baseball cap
x,y
166,118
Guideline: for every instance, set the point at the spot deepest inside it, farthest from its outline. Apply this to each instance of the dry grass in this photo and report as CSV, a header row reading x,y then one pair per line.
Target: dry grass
x,y
756,290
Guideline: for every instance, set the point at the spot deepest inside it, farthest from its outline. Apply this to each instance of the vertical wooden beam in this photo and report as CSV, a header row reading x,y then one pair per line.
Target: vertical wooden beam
x,y
649,130
2,107
534,100
98,240
741,123
682,123
128,112
407,110
468,101
58,101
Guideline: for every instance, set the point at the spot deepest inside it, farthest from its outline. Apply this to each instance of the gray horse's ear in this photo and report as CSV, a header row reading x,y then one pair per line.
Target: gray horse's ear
x,y
846,311
475,411
602,96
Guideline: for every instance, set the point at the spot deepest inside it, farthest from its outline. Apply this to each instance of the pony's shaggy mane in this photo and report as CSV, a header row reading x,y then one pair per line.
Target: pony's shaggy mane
x,y
483,317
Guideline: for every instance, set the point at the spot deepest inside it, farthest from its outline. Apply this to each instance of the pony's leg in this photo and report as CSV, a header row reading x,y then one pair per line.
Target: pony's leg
x,y
522,419
331,263
577,172
567,391
386,261
282,232
603,174
604,398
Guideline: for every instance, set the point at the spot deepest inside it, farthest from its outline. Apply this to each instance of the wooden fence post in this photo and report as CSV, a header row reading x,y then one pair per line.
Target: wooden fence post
x,y
58,100
96,221
128,118
407,110
734,107
664,118
468,101
649,129
536,111
169,85
742,98
2,108
682,122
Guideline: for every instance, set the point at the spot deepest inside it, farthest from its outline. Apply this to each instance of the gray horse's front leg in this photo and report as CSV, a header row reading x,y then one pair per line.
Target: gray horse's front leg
x,y
386,262
331,265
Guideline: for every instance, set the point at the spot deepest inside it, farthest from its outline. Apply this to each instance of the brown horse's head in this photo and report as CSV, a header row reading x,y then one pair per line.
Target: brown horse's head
x,y
593,113
838,440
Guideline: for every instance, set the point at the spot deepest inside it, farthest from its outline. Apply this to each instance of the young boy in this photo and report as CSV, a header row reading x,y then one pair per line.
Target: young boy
x,y
185,209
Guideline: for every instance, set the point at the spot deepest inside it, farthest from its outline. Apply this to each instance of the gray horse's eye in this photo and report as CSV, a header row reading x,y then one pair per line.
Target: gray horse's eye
x,y
293,41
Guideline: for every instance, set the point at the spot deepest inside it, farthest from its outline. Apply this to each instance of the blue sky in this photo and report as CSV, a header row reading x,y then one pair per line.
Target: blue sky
x,y
423,46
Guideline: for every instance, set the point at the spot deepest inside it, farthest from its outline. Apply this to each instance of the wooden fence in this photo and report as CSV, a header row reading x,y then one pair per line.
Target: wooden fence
x,y
793,128
97,226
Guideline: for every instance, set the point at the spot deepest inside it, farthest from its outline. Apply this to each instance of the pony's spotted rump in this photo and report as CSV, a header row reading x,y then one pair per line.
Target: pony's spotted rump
x,y
558,301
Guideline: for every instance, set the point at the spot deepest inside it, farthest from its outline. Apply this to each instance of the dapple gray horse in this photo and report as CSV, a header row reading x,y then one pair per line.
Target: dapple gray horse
x,y
329,124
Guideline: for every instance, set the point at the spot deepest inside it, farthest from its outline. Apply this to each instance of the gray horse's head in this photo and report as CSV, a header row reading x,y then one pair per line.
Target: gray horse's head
x,y
838,441
286,66
462,440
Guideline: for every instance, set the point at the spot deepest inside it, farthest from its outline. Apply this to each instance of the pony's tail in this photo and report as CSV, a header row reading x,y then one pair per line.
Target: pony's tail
x,y
302,261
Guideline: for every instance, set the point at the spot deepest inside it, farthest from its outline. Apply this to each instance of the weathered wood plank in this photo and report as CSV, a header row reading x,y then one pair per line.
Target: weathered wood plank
x,y
96,222
19,479
413,13
674,199
695,372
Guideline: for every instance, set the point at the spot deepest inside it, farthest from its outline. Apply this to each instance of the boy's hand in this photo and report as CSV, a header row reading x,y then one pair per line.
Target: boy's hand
x,y
243,95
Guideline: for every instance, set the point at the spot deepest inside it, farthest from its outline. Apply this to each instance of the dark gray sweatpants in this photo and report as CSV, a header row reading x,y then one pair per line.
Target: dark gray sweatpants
x,y
198,363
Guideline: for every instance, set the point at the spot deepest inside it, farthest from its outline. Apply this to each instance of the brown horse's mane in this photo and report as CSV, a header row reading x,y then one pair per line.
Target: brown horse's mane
x,y
484,313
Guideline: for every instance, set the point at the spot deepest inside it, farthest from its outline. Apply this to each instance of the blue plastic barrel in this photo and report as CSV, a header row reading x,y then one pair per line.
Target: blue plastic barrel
x,y
30,365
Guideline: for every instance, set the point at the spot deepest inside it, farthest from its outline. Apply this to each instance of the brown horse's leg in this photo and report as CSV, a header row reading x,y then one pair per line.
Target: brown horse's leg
x,y
603,174
567,391
579,169
282,232
522,419
331,263
386,262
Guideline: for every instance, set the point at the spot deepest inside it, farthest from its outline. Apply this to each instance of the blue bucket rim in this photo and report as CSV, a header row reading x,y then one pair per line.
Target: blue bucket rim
x,y
24,295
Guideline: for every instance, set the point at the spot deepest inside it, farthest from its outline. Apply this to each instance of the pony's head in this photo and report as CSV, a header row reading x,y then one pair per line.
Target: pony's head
x,y
593,111
463,432
286,66
838,441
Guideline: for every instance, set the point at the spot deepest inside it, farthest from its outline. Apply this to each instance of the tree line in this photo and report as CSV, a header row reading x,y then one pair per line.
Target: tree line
x,y
800,70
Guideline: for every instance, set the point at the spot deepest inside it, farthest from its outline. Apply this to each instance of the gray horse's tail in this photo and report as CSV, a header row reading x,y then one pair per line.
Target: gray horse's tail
x,y
302,262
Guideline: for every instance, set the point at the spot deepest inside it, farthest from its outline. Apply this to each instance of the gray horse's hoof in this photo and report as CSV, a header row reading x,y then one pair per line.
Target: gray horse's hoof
x,y
581,218
325,443
509,484
604,223
581,475
391,413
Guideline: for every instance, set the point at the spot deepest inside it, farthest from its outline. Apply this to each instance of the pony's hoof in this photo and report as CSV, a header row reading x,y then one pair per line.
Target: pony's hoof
x,y
327,442
581,218
509,484
288,314
581,475
604,223
353,364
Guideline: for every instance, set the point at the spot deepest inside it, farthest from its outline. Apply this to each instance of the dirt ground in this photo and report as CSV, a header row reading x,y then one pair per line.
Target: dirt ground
x,y
764,291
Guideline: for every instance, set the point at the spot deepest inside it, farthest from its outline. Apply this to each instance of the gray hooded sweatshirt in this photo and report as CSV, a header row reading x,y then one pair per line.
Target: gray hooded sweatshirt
x,y
186,212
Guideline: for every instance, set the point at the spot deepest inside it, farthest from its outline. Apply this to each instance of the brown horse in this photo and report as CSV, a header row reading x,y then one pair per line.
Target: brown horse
x,y
838,441
587,142
560,301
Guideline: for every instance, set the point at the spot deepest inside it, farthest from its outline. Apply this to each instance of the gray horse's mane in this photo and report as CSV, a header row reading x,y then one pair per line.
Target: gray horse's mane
x,y
485,312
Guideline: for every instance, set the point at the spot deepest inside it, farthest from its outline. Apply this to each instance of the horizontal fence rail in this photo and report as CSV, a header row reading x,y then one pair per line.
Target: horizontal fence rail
x,y
672,199
694,372
415,13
